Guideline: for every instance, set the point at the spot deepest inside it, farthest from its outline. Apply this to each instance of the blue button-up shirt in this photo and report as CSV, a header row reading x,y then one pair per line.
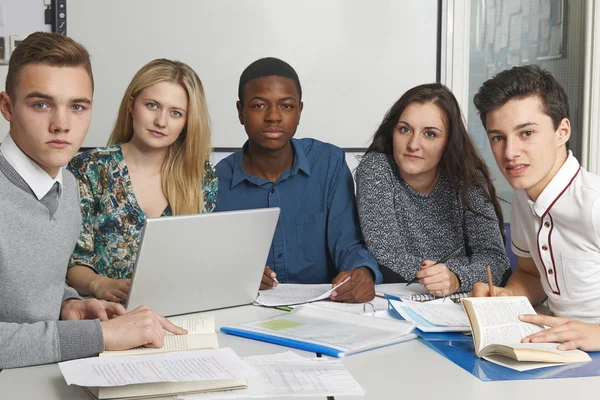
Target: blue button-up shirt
x,y
318,233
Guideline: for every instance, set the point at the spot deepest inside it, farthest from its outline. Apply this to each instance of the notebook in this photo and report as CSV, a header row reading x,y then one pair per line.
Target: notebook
x,y
328,332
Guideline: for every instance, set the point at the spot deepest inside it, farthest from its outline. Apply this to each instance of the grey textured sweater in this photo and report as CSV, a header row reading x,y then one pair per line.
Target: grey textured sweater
x,y
35,247
403,227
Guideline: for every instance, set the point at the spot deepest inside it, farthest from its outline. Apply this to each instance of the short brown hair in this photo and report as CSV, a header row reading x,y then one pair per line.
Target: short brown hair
x,y
46,48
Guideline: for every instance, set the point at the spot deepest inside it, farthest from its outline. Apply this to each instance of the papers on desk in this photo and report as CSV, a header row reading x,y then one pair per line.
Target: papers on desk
x,y
324,331
370,308
400,290
286,294
433,316
290,375
158,374
184,366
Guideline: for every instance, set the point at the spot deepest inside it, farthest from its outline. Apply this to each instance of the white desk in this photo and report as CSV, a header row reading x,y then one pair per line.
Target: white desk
x,y
411,370
407,370
45,382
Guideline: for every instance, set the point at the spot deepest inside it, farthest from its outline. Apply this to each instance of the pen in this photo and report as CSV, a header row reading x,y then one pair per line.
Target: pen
x,y
491,287
442,260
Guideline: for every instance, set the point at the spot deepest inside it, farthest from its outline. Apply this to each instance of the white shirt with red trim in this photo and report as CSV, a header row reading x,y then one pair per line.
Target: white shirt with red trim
x,y
561,232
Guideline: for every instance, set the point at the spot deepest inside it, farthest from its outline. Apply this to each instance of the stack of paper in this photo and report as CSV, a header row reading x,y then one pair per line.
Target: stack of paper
x,y
290,375
158,374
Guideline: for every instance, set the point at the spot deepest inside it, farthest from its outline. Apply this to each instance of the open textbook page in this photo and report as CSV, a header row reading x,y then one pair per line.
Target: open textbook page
x,y
287,294
290,375
497,331
496,320
201,335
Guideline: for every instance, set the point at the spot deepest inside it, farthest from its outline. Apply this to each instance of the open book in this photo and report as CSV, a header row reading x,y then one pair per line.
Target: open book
x,y
497,331
201,335
329,332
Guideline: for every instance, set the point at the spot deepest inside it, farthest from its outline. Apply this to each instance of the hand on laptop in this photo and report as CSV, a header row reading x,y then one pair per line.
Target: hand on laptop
x,y
90,309
140,327
110,289
359,289
269,279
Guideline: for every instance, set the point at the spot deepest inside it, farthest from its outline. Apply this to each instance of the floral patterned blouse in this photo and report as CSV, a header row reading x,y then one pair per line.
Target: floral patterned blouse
x,y
112,219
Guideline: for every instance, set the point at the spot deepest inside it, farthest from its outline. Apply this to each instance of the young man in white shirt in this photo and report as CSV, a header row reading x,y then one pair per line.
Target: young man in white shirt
x,y
555,221
48,101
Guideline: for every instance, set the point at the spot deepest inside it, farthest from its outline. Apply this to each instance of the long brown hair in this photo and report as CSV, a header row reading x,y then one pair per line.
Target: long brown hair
x,y
461,163
183,167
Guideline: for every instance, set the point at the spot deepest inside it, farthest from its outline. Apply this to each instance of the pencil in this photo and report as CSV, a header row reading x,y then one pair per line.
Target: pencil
x,y
491,286
443,260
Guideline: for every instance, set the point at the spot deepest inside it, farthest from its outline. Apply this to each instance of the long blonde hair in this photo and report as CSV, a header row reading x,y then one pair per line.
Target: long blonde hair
x,y
182,172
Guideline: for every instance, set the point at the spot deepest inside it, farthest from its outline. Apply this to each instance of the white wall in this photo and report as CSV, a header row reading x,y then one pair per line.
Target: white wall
x,y
354,58
22,17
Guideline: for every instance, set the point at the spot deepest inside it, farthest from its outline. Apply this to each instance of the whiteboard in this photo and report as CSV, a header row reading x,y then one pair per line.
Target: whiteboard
x,y
354,57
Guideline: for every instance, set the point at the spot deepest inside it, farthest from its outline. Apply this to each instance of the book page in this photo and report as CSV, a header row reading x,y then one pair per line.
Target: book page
x,y
172,343
499,322
194,323
290,375
286,294
186,366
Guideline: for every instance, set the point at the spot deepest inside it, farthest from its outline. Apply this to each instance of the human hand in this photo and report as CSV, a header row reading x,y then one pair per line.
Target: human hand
x,y
572,334
140,327
90,309
269,279
109,289
437,279
359,289
481,289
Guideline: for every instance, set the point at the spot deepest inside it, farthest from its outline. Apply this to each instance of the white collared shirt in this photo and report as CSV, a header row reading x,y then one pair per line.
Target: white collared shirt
x,y
561,232
38,180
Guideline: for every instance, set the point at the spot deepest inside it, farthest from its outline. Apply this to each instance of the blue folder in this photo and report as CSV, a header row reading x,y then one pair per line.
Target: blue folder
x,y
462,353
296,344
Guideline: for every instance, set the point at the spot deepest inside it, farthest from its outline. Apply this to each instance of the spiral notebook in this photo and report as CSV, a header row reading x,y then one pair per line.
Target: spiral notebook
x,y
427,297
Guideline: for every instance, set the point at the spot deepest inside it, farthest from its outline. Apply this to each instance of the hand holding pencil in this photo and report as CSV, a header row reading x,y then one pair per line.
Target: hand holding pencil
x,y
488,289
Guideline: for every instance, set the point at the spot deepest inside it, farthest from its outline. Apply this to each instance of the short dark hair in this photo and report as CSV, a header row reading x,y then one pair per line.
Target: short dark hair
x,y
268,66
46,48
519,83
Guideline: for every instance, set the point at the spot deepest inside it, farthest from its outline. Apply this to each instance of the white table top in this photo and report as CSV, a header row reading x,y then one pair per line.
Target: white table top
x,y
407,370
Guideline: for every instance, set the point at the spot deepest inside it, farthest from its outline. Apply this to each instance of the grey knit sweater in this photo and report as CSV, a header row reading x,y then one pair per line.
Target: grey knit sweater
x,y
403,227
35,247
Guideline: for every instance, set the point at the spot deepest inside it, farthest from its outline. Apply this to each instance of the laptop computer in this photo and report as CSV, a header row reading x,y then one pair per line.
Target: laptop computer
x,y
201,262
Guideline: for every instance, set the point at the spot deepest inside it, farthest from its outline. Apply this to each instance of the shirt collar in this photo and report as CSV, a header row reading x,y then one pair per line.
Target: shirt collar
x,y
37,179
557,186
300,163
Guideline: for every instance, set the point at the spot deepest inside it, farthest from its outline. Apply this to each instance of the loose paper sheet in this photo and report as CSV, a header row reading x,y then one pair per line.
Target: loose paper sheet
x,y
290,375
286,294
185,366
